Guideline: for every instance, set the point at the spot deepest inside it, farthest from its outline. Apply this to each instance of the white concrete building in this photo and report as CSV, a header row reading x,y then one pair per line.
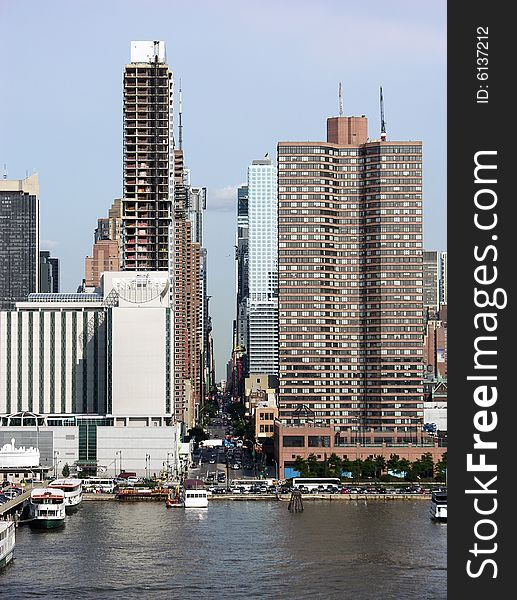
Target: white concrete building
x,y
107,353
139,352
146,450
436,412
97,369
263,268
52,355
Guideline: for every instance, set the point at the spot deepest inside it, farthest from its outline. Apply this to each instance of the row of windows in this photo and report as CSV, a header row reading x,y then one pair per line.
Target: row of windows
x,y
317,150
266,416
266,428
388,149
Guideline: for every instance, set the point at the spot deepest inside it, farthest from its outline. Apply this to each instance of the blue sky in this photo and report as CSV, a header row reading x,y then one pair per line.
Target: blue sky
x,y
253,73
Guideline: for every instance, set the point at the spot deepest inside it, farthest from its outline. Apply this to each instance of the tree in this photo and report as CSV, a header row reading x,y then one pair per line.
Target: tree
x,y
441,468
404,466
393,464
346,464
66,470
369,467
356,467
426,465
334,466
313,465
198,433
300,465
380,464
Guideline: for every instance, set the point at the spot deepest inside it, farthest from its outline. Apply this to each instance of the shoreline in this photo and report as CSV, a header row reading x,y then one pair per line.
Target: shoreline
x,y
283,498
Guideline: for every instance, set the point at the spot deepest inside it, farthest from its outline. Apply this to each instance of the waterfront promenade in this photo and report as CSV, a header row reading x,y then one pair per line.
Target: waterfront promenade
x,y
283,497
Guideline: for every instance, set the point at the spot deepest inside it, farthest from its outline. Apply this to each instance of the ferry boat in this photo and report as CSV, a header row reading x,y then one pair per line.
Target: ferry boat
x,y
47,508
439,506
73,489
7,542
194,494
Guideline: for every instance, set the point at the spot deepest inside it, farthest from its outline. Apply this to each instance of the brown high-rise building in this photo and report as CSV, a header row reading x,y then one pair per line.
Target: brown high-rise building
x,y
350,282
147,202
188,302
106,250
435,346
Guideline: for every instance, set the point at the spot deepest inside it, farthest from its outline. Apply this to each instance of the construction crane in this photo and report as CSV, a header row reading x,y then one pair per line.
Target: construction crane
x,y
340,101
383,122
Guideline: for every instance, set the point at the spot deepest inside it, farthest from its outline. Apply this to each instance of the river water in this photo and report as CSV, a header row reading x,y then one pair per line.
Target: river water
x,y
244,549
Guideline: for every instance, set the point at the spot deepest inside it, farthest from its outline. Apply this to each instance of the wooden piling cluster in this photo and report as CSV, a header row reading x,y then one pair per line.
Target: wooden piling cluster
x,y
295,503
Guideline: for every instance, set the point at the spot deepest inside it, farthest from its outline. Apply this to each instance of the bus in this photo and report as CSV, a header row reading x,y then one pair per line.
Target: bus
x,y
97,484
312,483
248,484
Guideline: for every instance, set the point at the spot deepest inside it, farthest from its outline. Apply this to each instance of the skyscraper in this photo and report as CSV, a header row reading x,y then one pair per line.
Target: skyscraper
x,y
48,273
350,282
431,279
242,257
106,248
148,118
443,278
19,239
262,268
188,267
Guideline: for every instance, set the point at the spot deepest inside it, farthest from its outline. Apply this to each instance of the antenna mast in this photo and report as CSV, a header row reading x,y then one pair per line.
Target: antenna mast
x,y
383,122
5,171
340,101
180,125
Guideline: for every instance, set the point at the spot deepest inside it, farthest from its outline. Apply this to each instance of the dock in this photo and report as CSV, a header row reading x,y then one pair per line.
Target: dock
x,y
142,494
15,506
327,497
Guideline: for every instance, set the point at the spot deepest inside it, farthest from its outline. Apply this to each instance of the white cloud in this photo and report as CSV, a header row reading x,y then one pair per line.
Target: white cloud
x,y
222,199
48,244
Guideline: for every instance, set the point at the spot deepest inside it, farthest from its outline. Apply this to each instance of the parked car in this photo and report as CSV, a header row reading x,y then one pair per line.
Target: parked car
x,y
10,494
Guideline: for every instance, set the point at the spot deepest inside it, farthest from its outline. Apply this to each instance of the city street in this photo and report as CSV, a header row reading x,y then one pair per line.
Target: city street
x,y
216,465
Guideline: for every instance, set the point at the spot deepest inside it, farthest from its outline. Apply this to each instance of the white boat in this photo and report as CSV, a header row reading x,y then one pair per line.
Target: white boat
x,y
73,489
195,499
7,542
47,508
439,506
194,494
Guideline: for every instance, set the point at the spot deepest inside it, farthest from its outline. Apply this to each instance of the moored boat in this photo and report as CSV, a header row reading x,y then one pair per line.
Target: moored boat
x,y
7,542
194,494
439,506
73,489
47,508
174,499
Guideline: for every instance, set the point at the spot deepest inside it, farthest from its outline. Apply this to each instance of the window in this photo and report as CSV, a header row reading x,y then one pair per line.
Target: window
x,y
319,441
293,441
